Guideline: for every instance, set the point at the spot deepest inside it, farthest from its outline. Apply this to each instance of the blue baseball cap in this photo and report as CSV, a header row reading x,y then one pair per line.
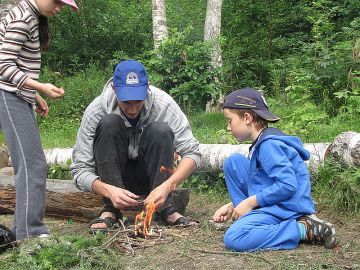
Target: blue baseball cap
x,y
250,99
130,81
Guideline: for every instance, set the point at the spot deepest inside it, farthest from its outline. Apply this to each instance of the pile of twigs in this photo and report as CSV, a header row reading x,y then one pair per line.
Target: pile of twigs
x,y
126,240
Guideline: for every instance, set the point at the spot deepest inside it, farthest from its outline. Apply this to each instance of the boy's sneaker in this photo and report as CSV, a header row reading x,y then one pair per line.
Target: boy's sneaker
x,y
318,232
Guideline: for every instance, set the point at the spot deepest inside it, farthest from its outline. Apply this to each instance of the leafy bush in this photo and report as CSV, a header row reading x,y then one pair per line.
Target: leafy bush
x,y
80,90
182,67
96,32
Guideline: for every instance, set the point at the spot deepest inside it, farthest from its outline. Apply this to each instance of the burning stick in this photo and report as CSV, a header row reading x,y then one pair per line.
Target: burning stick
x,y
143,220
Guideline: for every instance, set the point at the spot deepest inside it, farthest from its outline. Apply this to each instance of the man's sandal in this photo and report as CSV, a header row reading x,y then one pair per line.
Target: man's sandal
x,y
110,222
7,238
164,214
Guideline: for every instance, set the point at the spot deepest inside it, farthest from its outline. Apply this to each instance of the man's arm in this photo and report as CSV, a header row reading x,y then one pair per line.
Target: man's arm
x,y
159,194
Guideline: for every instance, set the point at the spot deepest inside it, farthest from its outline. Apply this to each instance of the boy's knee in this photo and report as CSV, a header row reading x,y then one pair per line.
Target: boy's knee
x,y
233,239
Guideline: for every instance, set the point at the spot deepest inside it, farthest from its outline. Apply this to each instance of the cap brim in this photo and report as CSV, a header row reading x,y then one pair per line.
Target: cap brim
x,y
72,5
126,93
267,115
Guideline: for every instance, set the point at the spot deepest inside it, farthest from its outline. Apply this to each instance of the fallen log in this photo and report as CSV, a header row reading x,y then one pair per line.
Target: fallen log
x,y
63,200
345,148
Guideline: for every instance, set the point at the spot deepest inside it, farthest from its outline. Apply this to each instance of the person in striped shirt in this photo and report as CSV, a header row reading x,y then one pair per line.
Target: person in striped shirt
x,y
24,32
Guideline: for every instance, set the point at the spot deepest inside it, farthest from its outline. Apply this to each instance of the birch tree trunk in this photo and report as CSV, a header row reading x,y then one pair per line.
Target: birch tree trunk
x,y
212,31
160,31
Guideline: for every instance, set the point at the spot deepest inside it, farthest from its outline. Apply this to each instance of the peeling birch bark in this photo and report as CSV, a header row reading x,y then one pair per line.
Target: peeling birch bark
x,y
160,31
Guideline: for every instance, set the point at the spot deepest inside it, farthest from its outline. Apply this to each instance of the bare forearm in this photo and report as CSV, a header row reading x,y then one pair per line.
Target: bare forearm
x,y
184,169
33,84
100,188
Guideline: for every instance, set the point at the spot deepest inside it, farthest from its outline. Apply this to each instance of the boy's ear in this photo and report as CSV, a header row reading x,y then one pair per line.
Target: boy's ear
x,y
248,118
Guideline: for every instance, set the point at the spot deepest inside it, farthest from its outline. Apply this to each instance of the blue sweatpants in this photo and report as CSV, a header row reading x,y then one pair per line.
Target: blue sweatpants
x,y
257,229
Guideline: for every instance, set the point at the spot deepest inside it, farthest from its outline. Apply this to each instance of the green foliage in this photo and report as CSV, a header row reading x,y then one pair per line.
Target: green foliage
x,y
63,253
182,67
212,183
80,90
60,171
338,186
97,31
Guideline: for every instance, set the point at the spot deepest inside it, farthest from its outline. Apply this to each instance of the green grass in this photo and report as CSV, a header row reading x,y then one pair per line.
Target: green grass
x,y
58,133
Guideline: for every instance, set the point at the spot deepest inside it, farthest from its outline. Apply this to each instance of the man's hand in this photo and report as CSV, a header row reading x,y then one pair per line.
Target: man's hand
x,y
224,213
160,194
244,207
121,198
42,107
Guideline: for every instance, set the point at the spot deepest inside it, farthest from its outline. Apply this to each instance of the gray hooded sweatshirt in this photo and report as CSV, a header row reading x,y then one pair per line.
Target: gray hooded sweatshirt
x,y
159,106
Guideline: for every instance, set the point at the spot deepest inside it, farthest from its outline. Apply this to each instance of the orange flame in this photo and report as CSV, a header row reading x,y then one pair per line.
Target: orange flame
x,y
143,220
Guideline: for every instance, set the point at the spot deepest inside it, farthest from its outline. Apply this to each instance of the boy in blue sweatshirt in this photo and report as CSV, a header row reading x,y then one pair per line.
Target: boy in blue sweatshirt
x,y
269,190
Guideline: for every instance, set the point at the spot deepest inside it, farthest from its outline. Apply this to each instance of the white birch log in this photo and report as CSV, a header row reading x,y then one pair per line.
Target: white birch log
x,y
345,148
160,31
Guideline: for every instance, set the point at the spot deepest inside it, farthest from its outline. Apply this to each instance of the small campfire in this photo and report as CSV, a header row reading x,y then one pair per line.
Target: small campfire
x,y
142,234
143,220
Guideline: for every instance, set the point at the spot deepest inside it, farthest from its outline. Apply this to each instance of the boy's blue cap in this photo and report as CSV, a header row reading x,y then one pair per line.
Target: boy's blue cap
x,y
250,99
130,81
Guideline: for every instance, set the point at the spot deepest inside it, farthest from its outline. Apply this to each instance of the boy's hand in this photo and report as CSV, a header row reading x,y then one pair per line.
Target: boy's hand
x,y
244,207
223,213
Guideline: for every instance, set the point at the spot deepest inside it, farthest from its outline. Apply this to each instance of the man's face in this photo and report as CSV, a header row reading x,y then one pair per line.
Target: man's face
x,y
131,108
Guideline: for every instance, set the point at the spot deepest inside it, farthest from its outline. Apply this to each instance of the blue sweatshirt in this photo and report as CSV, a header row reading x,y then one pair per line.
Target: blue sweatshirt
x,y
278,175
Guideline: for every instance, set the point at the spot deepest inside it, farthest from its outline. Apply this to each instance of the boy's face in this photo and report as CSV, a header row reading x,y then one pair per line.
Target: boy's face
x,y
238,126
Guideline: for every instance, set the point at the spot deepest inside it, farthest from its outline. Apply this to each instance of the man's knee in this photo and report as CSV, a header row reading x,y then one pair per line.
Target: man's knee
x,y
159,132
110,123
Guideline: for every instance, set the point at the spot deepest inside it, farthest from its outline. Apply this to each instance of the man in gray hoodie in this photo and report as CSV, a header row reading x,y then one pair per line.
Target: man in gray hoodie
x,y
126,134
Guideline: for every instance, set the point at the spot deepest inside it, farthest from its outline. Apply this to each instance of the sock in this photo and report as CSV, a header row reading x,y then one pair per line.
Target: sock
x,y
302,229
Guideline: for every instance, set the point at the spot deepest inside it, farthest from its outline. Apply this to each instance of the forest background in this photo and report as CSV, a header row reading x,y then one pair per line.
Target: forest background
x,y
304,55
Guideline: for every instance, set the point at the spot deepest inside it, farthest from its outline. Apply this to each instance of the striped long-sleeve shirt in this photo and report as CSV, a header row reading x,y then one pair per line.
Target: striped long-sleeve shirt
x,y
20,56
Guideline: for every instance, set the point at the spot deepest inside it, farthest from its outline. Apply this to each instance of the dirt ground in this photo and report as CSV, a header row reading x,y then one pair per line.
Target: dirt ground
x,y
201,246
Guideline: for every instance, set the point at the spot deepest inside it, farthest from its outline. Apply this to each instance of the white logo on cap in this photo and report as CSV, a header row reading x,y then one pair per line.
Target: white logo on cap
x,y
132,78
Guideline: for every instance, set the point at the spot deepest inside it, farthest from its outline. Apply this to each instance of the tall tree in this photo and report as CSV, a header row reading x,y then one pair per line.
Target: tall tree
x,y
160,31
212,31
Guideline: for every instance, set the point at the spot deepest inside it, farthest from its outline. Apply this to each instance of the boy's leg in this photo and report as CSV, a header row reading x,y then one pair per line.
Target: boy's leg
x,y
19,125
111,143
236,171
258,230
